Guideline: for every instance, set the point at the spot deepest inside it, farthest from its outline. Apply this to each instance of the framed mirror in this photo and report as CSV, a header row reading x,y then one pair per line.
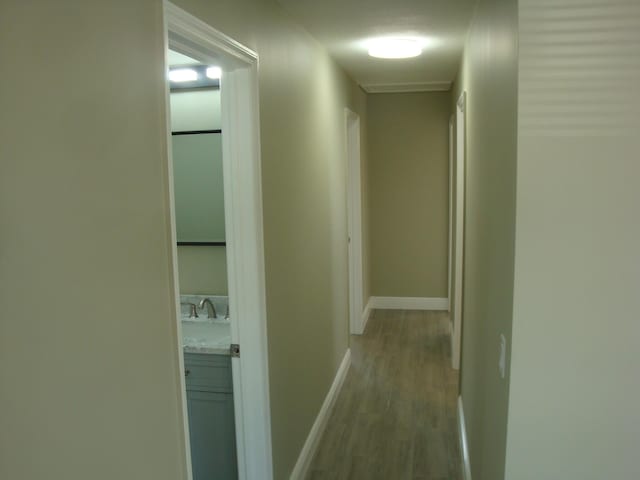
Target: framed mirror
x,y
198,187
197,166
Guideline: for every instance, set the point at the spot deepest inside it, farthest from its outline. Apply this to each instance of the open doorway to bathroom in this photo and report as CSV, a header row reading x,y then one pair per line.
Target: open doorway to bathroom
x,y
205,316
218,260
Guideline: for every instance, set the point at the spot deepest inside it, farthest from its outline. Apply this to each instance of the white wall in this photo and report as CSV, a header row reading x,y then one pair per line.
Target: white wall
x,y
575,389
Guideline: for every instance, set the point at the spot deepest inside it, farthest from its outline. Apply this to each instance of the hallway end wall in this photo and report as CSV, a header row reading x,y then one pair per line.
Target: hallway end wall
x,y
408,190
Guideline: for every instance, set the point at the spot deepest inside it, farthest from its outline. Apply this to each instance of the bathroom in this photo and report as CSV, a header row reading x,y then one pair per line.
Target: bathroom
x,y
205,316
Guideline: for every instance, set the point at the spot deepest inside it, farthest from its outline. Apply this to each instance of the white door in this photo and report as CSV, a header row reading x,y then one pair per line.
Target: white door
x,y
458,258
354,213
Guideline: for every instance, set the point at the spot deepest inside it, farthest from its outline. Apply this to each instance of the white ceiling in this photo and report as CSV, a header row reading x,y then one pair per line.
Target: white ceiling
x,y
343,26
178,59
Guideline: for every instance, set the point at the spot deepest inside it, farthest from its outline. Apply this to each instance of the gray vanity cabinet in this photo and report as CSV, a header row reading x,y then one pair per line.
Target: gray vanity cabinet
x,y
211,417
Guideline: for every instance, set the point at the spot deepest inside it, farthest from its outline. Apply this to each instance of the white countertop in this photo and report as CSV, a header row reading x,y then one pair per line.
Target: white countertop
x,y
206,336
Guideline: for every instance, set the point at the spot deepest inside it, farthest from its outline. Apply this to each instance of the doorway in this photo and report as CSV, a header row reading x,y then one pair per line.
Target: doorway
x,y
357,317
240,146
458,258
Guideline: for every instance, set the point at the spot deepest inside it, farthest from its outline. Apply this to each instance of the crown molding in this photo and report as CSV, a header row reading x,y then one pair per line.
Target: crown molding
x,y
444,86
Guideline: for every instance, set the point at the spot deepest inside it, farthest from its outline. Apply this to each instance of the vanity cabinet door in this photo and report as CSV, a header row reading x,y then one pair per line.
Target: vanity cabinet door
x,y
212,431
208,373
212,435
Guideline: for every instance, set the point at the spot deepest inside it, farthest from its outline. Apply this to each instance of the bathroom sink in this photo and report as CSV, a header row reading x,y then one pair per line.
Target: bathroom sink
x,y
206,336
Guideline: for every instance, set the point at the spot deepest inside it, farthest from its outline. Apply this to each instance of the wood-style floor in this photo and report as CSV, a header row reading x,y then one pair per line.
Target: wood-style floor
x,y
395,417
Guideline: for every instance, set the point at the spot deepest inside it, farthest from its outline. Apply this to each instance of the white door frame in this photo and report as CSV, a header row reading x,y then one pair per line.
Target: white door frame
x,y
244,234
451,218
354,220
459,221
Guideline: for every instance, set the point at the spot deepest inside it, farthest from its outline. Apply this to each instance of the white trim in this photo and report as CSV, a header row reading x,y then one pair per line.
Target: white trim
x,y
450,255
409,303
310,446
456,336
197,39
243,222
245,270
464,447
354,220
366,314
174,264
443,86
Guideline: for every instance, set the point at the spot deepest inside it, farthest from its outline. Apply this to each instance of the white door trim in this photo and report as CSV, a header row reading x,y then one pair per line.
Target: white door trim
x,y
354,214
244,234
451,168
456,335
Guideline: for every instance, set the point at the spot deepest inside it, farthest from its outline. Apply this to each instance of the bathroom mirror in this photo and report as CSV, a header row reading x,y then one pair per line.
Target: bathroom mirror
x,y
197,167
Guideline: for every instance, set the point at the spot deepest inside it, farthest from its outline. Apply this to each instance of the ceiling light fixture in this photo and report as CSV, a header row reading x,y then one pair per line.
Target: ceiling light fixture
x,y
183,75
214,72
395,48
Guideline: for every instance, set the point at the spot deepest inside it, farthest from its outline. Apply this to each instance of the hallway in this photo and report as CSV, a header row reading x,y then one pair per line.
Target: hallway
x,y
395,417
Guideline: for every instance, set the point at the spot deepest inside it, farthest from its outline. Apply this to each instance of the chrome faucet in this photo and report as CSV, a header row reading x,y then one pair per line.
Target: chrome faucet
x,y
211,310
193,313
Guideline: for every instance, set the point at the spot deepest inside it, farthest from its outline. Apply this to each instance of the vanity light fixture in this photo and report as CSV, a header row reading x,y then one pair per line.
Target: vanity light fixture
x,y
214,73
194,76
395,47
183,75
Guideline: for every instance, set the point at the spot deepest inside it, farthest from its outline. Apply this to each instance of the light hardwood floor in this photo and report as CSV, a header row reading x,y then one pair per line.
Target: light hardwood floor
x,y
395,417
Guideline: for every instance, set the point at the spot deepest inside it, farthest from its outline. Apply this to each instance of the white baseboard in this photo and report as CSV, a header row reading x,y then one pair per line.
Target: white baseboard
x,y
464,449
309,448
453,347
366,314
409,303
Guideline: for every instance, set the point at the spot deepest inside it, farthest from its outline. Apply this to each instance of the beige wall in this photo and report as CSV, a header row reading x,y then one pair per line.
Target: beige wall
x,y
574,377
489,75
202,270
408,189
88,361
87,354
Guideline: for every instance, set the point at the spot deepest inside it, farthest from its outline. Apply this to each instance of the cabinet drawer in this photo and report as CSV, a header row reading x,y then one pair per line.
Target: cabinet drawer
x,y
208,373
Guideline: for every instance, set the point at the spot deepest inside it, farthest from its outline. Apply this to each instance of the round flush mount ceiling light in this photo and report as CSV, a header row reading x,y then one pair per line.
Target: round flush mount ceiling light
x,y
394,47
